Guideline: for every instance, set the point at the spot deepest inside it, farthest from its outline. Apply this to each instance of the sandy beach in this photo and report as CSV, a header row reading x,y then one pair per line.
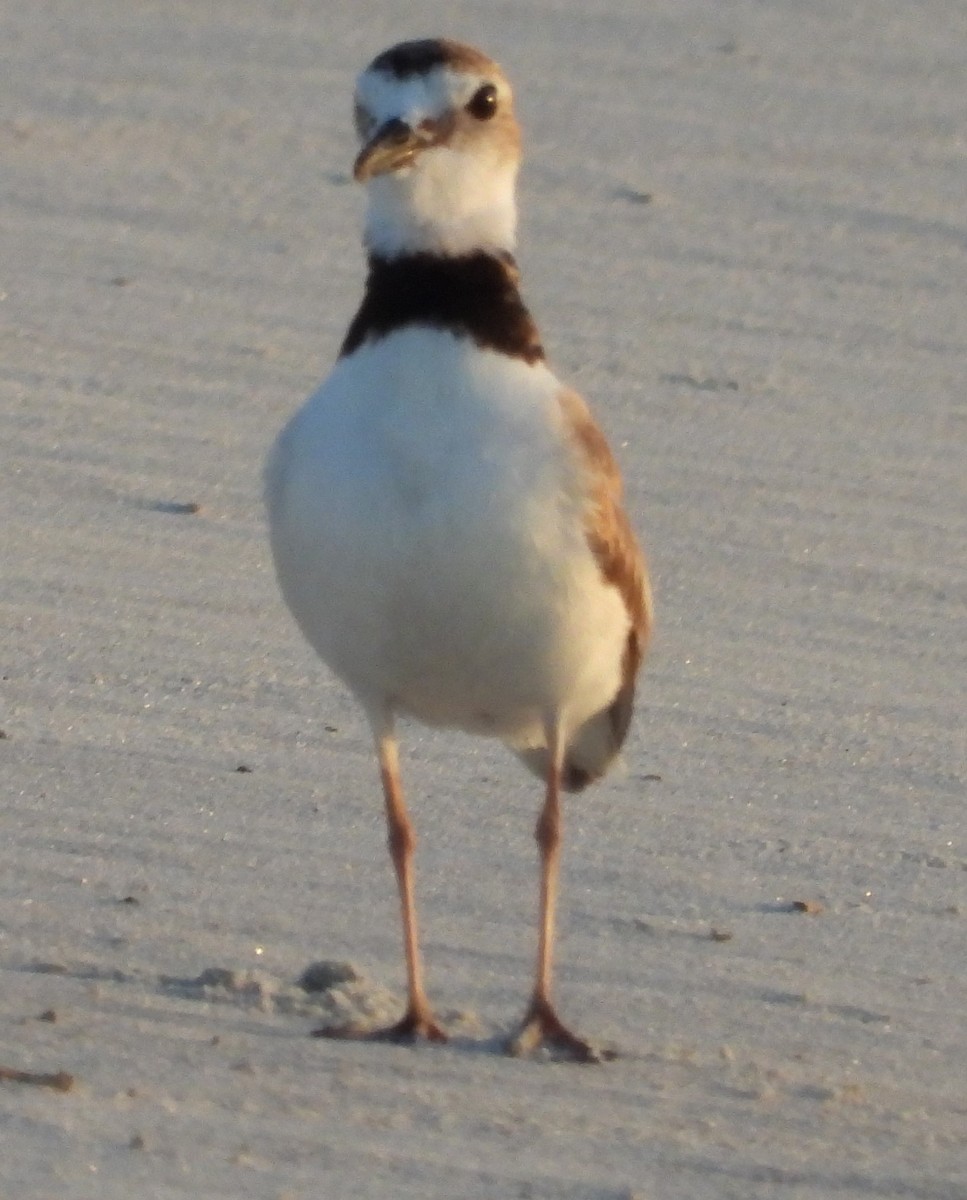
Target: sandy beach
x,y
744,237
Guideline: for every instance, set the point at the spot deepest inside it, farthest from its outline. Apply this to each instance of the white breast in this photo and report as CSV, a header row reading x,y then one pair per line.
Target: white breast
x,y
427,522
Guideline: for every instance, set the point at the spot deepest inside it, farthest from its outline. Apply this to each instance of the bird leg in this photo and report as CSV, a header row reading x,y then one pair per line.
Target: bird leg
x,y
418,1021
541,1024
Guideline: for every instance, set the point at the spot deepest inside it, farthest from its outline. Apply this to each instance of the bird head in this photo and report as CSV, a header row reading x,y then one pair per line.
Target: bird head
x,y
440,150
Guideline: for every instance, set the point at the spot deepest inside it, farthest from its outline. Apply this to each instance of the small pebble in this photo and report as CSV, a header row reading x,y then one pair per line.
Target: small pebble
x,y
179,508
326,975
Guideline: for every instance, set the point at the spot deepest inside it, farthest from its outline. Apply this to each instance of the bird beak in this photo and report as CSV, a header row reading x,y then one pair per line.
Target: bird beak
x,y
393,146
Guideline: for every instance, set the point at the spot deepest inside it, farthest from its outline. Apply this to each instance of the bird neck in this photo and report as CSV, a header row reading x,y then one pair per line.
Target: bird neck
x,y
471,295
450,204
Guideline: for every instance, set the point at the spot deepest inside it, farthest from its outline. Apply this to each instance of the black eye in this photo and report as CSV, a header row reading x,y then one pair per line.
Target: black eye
x,y
483,103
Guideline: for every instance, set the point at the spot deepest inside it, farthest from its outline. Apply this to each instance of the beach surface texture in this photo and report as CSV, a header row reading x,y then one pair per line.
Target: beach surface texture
x,y
744,238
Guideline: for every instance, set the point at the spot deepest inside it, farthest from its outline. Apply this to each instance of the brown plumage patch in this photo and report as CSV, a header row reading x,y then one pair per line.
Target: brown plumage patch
x,y
416,58
613,545
471,295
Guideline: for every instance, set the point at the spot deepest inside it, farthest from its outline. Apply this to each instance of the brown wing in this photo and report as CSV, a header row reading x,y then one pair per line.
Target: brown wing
x,y
622,564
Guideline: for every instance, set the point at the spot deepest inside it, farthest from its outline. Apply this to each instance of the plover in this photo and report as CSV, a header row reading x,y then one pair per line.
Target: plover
x,y
445,514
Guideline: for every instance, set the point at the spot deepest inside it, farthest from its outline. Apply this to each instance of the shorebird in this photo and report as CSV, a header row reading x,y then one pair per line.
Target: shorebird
x,y
445,515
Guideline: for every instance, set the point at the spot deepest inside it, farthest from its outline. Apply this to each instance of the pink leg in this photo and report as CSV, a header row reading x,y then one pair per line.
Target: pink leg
x,y
541,1024
418,1021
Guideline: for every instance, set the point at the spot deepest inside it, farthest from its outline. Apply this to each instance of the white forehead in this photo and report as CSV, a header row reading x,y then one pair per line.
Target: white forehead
x,y
427,94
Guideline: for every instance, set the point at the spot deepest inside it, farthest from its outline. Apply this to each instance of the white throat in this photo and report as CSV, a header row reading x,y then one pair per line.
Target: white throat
x,y
450,202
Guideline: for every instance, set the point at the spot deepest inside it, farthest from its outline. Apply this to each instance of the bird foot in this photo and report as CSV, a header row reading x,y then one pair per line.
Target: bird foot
x,y
415,1025
543,1027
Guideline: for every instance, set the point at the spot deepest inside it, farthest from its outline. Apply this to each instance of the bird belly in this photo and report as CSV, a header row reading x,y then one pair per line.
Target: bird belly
x,y
429,539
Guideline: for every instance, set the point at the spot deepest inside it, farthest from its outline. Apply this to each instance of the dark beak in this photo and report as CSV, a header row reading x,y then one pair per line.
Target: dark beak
x,y
392,146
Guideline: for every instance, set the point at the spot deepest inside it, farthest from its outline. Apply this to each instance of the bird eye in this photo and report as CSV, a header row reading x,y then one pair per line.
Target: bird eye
x,y
483,103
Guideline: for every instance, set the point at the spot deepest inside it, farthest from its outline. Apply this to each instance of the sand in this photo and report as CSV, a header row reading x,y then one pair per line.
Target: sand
x,y
744,237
